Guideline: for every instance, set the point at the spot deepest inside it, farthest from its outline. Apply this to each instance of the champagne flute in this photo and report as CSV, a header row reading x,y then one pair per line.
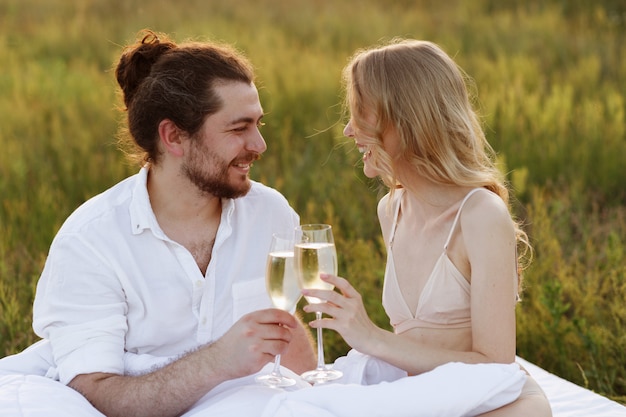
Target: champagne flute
x,y
282,287
315,254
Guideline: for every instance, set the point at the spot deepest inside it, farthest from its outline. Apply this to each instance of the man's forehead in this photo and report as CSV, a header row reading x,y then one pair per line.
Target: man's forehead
x,y
240,103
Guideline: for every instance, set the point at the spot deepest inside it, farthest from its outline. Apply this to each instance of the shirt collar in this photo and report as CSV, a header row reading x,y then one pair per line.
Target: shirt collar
x,y
141,215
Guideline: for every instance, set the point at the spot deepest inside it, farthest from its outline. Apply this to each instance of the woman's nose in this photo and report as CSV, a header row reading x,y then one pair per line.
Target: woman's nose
x,y
348,131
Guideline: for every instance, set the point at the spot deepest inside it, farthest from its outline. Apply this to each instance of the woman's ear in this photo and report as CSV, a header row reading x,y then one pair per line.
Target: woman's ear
x,y
171,137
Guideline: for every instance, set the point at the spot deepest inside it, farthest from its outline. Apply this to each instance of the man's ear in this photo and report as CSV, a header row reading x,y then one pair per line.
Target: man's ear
x,y
171,137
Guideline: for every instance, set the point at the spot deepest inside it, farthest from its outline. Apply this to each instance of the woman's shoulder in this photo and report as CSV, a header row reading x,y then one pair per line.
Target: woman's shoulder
x,y
483,209
485,201
387,204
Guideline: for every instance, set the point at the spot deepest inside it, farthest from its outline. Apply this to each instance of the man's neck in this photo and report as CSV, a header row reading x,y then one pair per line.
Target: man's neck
x,y
184,214
175,200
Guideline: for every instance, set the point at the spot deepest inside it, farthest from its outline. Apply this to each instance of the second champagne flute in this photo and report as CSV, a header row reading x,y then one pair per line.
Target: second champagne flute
x,y
282,286
315,254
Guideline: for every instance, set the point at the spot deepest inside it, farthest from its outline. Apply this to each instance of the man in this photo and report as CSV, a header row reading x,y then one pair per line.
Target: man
x,y
153,291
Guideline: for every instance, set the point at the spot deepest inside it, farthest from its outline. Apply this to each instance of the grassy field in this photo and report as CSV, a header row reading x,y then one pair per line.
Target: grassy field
x,y
550,77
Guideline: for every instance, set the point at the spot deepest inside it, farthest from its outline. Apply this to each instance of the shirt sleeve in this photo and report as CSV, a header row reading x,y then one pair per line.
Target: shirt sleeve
x,y
81,308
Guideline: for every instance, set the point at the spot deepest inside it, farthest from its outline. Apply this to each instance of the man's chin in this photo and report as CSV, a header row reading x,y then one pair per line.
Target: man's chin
x,y
240,190
224,190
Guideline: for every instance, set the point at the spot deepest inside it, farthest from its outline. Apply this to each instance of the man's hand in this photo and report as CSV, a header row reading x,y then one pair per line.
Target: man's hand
x,y
253,341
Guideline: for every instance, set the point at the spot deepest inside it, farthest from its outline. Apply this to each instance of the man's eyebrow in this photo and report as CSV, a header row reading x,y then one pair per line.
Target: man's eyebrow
x,y
245,120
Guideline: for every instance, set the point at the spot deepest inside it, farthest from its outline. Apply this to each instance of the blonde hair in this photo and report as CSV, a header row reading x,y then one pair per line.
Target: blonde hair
x,y
414,87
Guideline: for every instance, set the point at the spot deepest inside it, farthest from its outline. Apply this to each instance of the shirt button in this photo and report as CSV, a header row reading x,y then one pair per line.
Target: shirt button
x,y
204,321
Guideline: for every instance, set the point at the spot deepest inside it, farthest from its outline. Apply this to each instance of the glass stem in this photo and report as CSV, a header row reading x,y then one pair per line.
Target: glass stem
x,y
321,363
276,370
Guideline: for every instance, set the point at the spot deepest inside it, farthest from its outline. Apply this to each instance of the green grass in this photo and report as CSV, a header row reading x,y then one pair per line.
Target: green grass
x,y
549,77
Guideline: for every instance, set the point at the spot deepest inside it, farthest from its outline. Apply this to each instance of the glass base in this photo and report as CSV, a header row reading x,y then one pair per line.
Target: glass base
x,y
320,376
274,380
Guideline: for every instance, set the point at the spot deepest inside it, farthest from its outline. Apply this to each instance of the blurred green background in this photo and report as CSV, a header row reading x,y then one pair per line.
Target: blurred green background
x,y
550,78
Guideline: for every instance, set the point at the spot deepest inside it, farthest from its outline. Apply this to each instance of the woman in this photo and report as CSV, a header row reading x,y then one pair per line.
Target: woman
x,y
452,274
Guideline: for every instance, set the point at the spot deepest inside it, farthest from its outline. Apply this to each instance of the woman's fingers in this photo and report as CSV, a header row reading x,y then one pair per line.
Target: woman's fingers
x,y
332,301
344,310
325,308
341,284
332,296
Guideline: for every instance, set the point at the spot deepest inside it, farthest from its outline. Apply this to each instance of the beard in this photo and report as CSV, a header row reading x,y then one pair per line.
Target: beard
x,y
209,173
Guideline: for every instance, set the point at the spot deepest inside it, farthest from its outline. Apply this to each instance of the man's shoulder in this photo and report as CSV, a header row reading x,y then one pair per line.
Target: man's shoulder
x,y
100,205
262,191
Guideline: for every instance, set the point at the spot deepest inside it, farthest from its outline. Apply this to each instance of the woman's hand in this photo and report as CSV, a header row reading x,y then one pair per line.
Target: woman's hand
x,y
347,313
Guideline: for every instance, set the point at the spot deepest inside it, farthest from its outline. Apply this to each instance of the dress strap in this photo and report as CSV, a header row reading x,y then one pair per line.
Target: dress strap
x,y
394,225
458,214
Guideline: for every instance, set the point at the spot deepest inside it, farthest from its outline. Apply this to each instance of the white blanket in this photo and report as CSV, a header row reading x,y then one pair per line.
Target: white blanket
x,y
570,400
370,388
454,389
37,396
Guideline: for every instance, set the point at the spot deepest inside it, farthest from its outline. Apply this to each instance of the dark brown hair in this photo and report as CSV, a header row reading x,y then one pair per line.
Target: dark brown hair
x,y
162,80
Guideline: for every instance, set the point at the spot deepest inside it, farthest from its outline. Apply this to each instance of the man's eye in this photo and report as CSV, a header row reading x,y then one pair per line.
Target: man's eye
x,y
260,124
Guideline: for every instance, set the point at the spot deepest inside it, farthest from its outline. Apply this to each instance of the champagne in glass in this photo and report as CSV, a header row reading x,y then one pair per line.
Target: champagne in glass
x,y
315,258
282,286
315,254
281,282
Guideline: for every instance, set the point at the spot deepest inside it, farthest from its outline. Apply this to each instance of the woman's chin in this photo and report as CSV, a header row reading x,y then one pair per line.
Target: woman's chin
x,y
370,172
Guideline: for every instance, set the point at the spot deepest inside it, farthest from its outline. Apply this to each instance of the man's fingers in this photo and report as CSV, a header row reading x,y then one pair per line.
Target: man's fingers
x,y
274,316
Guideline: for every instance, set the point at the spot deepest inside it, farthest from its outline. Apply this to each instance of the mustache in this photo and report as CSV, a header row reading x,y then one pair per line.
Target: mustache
x,y
248,157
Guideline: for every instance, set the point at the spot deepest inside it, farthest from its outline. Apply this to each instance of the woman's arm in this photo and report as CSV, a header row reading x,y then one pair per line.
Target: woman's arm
x,y
488,250
488,238
349,318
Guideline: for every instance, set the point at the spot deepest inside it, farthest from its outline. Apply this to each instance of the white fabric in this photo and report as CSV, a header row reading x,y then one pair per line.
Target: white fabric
x,y
34,360
37,359
113,281
570,400
361,369
36,396
452,390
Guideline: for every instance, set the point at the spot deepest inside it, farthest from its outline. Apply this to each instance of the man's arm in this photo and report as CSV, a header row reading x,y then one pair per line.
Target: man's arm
x,y
252,342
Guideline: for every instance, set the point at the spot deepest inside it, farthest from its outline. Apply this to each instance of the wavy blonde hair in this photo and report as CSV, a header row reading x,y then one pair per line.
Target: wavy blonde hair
x,y
414,87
